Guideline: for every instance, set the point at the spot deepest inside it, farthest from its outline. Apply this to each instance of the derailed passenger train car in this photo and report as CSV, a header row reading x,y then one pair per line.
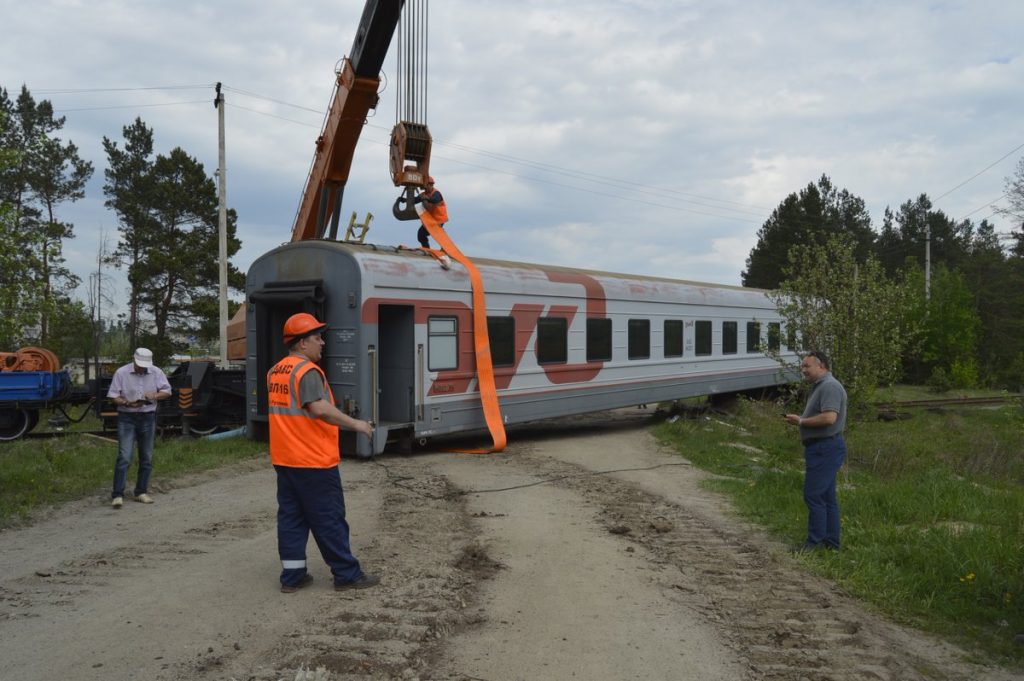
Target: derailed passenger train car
x,y
399,342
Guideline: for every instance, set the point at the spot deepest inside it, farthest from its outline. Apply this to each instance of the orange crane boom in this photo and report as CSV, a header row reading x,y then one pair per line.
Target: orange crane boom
x,y
355,95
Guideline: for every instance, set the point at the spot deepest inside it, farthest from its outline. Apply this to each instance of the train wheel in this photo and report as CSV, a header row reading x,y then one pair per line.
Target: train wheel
x,y
14,423
201,429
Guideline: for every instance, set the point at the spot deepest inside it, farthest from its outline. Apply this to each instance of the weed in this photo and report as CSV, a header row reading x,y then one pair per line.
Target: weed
x,y
932,510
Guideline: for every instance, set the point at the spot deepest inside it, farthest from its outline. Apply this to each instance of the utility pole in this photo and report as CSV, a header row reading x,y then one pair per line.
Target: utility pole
x,y
222,230
927,262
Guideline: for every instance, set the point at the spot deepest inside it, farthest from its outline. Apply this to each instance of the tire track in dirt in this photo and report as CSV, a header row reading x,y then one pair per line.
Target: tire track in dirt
x,y
78,578
429,566
787,624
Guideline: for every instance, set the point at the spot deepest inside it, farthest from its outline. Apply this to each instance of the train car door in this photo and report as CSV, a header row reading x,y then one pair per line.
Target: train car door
x,y
396,363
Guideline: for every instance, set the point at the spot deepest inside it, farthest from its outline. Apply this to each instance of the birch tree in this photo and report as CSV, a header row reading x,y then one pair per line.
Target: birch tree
x,y
850,310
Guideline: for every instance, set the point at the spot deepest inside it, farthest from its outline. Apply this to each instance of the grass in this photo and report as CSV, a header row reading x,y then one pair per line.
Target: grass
x,y
932,510
40,472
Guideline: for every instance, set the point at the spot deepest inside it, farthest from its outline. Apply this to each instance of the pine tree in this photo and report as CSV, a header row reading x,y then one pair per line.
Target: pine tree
x,y
811,217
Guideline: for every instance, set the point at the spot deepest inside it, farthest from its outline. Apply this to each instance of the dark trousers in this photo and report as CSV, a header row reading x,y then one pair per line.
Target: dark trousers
x,y
823,459
424,236
312,500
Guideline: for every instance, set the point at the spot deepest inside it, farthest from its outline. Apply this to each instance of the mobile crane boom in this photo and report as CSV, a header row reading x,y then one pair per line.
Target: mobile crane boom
x,y
355,95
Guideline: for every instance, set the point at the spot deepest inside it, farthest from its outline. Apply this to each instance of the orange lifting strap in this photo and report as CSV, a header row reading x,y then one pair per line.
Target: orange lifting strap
x,y
484,366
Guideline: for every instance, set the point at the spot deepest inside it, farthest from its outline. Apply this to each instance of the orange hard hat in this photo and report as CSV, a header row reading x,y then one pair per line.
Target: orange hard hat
x,y
301,325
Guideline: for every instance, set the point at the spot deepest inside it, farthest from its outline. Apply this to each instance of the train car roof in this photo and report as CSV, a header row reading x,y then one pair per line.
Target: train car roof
x,y
367,249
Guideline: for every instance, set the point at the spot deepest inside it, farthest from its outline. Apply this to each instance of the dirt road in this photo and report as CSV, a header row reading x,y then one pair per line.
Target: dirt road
x,y
582,552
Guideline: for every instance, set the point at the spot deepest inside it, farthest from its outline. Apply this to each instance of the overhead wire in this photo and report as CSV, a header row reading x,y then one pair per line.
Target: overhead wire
x,y
545,167
980,172
71,91
130,106
416,100
530,178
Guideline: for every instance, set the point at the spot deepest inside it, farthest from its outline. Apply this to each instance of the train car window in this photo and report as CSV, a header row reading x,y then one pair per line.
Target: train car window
x,y
702,331
774,336
502,333
442,343
730,338
599,340
639,338
791,337
552,340
753,336
673,338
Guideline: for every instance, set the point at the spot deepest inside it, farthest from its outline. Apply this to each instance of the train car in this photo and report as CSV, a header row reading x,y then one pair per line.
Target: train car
x,y
399,342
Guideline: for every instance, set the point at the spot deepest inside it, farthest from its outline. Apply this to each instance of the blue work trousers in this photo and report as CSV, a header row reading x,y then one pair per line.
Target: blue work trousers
x,y
822,459
312,500
132,428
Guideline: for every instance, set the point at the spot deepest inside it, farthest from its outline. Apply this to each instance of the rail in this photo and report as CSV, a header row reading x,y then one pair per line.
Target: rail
x,y
948,401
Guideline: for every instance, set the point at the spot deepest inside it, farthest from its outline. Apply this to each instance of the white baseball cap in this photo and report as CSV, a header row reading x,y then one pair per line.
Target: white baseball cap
x,y
143,357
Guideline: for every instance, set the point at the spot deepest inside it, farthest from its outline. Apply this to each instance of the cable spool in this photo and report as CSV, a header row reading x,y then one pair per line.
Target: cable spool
x,y
29,359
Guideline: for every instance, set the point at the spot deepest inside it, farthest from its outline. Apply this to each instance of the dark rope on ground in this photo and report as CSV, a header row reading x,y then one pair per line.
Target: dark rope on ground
x,y
398,480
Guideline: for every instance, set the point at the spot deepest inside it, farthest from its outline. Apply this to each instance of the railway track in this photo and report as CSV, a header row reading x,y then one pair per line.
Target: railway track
x,y
948,402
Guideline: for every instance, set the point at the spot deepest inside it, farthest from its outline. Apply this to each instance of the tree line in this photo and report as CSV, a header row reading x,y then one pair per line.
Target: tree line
x,y
870,298
167,221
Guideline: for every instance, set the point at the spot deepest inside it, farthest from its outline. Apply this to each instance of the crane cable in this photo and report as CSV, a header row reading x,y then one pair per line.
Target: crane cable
x,y
481,341
411,86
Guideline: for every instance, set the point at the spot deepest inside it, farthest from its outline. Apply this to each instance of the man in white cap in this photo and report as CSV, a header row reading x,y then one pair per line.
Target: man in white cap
x,y
136,389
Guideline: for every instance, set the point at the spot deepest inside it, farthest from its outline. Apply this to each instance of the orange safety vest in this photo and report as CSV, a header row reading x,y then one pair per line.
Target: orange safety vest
x,y
439,211
297,439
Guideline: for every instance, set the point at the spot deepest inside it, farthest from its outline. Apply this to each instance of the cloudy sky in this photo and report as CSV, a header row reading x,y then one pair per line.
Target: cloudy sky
x,y
641,136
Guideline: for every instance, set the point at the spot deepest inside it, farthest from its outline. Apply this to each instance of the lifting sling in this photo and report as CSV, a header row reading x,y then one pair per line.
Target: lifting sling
x,y
484,366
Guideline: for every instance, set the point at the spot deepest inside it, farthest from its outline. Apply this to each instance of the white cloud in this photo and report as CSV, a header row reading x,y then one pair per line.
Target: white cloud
x,y
642,136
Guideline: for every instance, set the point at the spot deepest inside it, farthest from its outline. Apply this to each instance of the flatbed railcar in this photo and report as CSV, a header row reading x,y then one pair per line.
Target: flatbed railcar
x,y
399,342
25,394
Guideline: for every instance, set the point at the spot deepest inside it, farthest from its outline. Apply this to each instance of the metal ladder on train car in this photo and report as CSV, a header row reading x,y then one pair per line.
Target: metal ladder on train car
x,y
484,365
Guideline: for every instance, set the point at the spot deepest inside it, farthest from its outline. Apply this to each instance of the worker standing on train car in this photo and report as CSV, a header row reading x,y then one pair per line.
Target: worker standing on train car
x,y
135,389
431,200
821,432
304,450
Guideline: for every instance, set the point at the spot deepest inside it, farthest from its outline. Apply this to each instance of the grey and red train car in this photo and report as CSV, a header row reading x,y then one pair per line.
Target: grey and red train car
x,y
399,342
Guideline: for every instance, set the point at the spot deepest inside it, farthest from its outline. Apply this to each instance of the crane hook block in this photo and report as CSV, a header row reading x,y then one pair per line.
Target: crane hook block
x,y
409,211
410,142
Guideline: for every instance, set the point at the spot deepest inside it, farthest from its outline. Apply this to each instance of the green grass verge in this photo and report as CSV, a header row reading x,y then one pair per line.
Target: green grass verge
x,y
932,511
39,472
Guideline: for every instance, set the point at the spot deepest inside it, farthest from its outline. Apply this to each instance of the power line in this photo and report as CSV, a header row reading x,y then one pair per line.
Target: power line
x,y
988,167
987,204
75,91
129,106
527,177
538,165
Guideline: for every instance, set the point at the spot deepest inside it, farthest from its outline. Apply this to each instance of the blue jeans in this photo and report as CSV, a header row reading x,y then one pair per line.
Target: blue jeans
x,y
823,460
312,500
132,428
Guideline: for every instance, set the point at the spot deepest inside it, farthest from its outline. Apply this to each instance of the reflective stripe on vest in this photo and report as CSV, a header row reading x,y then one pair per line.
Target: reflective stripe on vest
x,y
297,439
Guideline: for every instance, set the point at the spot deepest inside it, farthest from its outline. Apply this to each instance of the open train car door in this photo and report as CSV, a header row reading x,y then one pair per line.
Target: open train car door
x,y
396,367
271,306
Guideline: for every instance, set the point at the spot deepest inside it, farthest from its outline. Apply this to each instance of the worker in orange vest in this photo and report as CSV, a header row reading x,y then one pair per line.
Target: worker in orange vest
x,y
305,452
431,201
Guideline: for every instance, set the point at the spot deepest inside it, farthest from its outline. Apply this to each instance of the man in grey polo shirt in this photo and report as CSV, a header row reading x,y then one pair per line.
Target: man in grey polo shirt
x,y
821,432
